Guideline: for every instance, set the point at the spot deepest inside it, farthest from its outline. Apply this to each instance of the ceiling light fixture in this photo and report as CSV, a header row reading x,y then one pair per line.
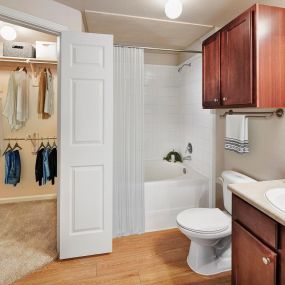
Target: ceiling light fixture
x,y
173,9
8,33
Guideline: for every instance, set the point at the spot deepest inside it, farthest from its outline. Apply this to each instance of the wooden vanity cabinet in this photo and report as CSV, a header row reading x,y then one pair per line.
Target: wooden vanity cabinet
x,y
258,247
253,262
244,62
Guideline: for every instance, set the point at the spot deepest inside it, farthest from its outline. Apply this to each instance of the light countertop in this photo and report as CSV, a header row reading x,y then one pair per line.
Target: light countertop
x,y
253,193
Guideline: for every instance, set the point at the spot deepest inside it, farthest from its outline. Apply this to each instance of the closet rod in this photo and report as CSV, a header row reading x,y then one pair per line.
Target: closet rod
x,y
40,139
26,60
30,139
14,139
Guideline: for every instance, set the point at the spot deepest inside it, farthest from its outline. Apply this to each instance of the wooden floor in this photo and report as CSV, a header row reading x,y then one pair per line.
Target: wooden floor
x,y
148,259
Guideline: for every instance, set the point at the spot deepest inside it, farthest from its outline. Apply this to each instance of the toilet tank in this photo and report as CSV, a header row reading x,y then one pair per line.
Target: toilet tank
x,y
232,177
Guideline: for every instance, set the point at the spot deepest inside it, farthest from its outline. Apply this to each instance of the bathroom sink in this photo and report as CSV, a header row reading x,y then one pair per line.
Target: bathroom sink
x,y
276,196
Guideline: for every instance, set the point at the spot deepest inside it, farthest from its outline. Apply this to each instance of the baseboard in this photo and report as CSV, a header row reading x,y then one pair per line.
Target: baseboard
x,y
28,198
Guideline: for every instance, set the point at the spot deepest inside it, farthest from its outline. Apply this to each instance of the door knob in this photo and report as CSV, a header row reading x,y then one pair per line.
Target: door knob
x,y
266,260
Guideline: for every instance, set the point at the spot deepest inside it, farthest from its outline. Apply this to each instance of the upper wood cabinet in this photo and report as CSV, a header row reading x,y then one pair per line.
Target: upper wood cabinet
x,y
211,71
244,62
237,62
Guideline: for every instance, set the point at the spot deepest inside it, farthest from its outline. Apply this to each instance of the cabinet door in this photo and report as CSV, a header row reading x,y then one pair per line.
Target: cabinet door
x,y
237,62
211,71
253,262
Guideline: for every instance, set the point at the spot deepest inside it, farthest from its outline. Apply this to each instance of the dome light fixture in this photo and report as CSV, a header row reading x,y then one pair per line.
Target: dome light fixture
x,y
8,33
173,9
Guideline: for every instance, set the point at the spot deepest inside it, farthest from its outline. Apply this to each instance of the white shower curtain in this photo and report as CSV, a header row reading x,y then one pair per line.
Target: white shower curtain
x,y
128,195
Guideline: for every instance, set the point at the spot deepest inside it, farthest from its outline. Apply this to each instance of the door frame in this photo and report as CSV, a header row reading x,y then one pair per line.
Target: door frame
x,y
29,21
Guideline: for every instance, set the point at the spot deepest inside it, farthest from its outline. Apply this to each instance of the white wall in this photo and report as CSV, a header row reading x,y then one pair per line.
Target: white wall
x,y
196,122
161,111
160,58
48,10
266,159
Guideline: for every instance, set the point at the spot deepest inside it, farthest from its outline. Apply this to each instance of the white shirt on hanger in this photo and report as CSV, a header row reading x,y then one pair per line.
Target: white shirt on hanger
x,y
16,105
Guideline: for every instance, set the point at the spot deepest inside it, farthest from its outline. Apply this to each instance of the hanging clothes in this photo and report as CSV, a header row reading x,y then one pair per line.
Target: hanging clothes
x,y
42,94
52,160
12,167
49,96
46,172
1,128
16,104
39,167
46,165
46,94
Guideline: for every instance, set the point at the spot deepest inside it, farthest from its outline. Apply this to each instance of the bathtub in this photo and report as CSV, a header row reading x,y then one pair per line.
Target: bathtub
x,y
169,189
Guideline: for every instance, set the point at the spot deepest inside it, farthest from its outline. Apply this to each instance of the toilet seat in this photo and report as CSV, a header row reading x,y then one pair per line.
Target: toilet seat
x,y
204,220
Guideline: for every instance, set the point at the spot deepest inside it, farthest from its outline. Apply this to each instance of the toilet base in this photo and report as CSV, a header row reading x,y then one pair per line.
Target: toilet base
x,y
209,260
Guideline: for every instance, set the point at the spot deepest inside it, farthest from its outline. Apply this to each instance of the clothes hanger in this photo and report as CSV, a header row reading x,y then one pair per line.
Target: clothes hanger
x,y
48,145
8,148
54,144
41,145
16,146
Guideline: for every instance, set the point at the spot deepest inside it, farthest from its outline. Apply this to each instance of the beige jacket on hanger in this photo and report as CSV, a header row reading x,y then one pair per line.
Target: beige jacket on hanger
x,y
42,95
1,128
49,98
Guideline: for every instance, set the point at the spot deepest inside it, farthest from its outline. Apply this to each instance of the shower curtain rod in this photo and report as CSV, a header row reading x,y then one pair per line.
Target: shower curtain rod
x,y
159,49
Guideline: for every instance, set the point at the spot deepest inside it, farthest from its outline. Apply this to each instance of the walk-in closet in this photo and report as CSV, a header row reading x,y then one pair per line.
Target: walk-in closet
x,y
28,150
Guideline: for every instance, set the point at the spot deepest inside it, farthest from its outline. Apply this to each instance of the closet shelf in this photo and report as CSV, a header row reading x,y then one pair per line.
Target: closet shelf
x,y
26,60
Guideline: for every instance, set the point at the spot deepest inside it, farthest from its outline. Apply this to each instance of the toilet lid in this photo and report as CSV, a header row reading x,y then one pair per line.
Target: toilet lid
x,y
204,220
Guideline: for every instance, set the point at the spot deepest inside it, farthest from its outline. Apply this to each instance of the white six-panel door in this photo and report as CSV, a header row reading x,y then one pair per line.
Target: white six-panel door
x,y
86,144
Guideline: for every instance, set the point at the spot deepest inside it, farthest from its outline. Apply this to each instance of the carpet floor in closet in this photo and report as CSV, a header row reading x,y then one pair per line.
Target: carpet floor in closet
x,y
27,238
157,258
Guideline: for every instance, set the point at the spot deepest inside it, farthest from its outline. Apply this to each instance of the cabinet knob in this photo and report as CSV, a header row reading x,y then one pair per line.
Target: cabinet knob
x,y
266,260
225,99
216,100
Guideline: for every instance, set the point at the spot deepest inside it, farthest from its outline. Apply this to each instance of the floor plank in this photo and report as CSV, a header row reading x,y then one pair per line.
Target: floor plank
x,y
148,259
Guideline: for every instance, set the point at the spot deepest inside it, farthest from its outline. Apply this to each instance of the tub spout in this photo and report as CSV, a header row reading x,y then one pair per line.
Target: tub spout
x,y
188,157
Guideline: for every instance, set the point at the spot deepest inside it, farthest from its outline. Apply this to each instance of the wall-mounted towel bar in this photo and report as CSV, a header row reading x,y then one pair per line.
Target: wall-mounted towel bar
x,y
279,113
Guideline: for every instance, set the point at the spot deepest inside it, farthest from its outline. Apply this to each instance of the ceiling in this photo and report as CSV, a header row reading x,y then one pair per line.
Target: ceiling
x,y
28,35
144,32
167,34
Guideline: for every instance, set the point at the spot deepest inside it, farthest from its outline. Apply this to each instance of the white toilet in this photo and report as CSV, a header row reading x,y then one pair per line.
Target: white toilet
x,y
210,231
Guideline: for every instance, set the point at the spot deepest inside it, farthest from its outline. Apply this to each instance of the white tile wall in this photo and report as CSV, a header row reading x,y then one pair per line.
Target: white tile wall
x,y
196,122
174,115
162,121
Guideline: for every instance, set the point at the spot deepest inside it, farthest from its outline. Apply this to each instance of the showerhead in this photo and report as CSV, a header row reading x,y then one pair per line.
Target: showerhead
x,y
185,64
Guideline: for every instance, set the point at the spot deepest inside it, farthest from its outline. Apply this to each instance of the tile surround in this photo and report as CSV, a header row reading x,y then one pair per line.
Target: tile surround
x,y
174,115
